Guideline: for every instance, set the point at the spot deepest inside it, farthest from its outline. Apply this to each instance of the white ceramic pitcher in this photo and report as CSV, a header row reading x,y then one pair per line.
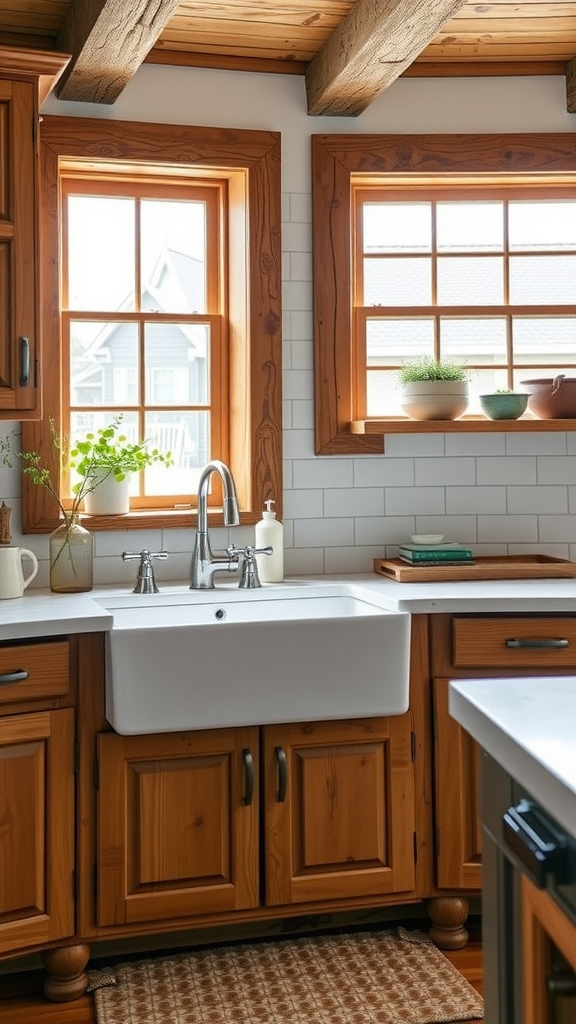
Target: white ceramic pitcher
x,y
13,583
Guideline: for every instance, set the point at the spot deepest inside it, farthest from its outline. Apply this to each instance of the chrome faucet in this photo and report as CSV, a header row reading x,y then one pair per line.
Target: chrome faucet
x,y
204,562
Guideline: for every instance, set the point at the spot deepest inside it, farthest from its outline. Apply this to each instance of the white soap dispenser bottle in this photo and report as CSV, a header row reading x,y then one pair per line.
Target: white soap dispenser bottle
x,y
269,532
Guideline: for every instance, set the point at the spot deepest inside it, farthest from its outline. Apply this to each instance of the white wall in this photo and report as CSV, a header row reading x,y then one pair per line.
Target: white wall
x,y
502,493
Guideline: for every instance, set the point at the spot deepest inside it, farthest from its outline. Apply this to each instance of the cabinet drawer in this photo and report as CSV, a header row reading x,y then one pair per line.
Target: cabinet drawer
x,y
514,641
40,670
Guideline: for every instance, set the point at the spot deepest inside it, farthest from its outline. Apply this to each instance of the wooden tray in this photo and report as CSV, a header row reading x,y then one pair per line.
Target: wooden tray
x,y
487,567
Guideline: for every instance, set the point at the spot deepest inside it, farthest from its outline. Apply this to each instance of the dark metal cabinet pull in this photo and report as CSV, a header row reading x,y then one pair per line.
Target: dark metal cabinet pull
x,y
24,362
249,774
13,677
553,643
282,774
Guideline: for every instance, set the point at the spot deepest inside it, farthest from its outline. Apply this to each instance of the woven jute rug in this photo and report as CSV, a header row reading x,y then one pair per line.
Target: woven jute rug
x,y
386,977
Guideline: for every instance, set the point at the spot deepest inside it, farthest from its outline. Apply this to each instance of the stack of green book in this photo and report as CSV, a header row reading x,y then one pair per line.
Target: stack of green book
x,y
436,554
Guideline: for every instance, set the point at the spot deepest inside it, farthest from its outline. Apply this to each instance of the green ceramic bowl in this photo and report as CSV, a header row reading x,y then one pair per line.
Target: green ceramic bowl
x,y
504,406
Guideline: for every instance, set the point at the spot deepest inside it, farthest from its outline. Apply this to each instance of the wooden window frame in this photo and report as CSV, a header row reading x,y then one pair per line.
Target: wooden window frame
x,y
337,162
251,162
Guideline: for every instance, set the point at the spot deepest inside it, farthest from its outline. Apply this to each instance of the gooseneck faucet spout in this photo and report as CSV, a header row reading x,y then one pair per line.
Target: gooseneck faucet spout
x,y
204,562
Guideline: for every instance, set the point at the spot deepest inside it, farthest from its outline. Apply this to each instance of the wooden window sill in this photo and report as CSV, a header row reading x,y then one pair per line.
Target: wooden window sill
x,y
472,424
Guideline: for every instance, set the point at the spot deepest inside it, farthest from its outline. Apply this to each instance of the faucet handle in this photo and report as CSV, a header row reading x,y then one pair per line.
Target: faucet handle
x,y
145,582
249,578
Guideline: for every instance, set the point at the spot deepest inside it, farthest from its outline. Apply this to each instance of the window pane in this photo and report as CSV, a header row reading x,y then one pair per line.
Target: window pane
x,y
542,279
88,421
382,394
174,256
397,282
474,340
103,363
470,226
101,264
542,225
466,281
176,364
396,340
187,436
396,227
550,340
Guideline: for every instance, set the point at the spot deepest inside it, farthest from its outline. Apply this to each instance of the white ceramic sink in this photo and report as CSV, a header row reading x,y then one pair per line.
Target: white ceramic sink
x,y
204,659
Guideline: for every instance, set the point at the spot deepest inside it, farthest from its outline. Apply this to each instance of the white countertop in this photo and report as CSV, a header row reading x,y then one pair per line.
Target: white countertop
x,y
41,613
529,727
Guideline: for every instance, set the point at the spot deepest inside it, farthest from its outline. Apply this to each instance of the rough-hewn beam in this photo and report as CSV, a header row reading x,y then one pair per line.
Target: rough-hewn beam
x,y
369,49
571,86
108,40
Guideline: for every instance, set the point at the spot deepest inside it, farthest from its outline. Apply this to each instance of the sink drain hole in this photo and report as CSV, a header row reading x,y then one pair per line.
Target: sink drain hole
x,y
220,614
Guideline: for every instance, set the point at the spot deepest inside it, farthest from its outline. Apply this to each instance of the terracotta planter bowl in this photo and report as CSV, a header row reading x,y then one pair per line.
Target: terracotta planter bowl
x,y
552,398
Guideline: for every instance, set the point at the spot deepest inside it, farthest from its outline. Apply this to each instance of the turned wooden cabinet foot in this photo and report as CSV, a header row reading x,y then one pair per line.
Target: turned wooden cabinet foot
x,y
67,978
448,914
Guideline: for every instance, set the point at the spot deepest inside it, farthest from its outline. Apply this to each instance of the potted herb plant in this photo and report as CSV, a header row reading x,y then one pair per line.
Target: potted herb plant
x,y
433,389
504,404
106,459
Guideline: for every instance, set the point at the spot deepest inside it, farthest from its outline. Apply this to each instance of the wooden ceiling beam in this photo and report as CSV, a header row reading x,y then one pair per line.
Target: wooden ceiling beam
x,y
108,40
373,44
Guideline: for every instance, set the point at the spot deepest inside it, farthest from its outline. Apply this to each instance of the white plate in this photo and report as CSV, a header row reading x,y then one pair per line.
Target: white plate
x,y
427,538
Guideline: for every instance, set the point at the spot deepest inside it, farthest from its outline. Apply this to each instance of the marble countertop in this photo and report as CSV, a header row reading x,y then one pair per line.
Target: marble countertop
x,y
529,727
41,613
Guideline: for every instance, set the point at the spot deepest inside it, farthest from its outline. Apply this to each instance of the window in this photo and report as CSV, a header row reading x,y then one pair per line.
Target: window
x,y
456,246
160,275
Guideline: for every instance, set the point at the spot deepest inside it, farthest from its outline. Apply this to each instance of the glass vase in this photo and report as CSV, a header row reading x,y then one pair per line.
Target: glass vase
x,y
71,557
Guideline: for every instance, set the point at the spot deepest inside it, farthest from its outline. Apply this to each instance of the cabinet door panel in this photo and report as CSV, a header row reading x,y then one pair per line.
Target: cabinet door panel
x,y
457,793
175,835
37,835
345,826
18,213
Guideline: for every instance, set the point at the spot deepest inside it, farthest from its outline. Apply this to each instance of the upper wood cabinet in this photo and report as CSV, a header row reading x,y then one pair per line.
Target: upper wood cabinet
x,y
25,78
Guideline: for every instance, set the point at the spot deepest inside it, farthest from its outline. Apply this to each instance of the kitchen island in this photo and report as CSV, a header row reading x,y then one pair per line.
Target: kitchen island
x,y
526,730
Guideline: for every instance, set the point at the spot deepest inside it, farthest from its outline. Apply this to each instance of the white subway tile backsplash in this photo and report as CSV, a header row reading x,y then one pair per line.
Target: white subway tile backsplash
x,y
296,238
475,500
298,294
401,501
304,562
302,414
537,444
503,529
510,470
383,529
537,499
353,559
371,472
459,528
304,504
301,356
444,471
297,384
300,208
313,533
301,327
301,266
552,528
556,469
298,444
327,472
402,445
357,501
475,444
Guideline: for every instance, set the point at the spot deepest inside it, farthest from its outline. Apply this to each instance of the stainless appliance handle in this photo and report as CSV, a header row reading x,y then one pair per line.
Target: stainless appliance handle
x,y
537,844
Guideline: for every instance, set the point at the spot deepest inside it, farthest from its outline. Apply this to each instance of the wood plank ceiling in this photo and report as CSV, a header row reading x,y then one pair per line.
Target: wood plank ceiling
x,y
348,50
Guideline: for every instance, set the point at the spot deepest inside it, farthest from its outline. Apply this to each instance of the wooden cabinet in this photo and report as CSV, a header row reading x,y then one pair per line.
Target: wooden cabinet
x,y
339,810
548,936
177,824
36,797
480,645
24,79
179,818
